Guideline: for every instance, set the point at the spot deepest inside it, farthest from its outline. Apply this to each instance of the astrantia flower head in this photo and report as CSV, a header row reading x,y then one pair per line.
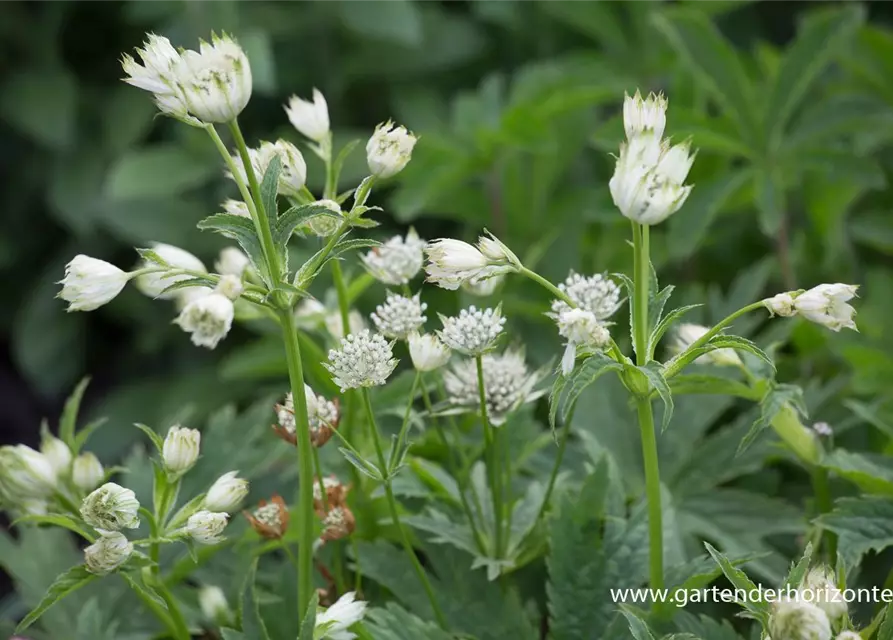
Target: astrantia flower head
x,y
427,352
507,383
640,115
473,331
398,260
208,318
181,449
580,327
827,305
154,284
334,622
798,620
310,118
399,316
292,167
270,519
389,149
226,494
452,263
158,75
686,334
232,262
596,294
87,471
338,523
107,554
90,283
364,360
206,527
322,414
25,474
336,494
823,593
111,507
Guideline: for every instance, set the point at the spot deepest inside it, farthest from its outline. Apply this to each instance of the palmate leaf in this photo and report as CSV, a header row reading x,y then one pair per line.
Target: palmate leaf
x,y
64,585
396,623
654,372
863,524
566,390
242,231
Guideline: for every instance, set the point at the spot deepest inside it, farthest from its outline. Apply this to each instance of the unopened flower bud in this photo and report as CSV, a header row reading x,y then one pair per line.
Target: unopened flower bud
x,y
90,283
496,251
797,620
213,604
232,262
181,449
640,115
323,225
25,474
87,472
427,352
208,318
686,334
215,81
270,519
206,527
107,554
780,305
227,493
827,305
230,286
57,453
310,118
236,208
823,593
452,263
111,507
154,284
389,149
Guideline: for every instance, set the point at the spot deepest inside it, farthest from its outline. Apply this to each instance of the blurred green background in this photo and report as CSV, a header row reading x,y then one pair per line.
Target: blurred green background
x,y
518,109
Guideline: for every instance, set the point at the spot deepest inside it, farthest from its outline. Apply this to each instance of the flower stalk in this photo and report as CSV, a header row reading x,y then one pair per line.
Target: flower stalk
x,y
491,442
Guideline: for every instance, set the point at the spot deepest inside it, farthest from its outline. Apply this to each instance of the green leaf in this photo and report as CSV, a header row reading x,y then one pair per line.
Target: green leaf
x,y
188,283
697,383
777,397
396,623
657,300
864,524
739,580
723,341
159,171
361,464
637,625
84,434
249,610
308,624
823,34
156,439
653,371
64,585
885,632
661,328
269,189
352,245
580,378
294,217
870,472
798,570
42,103
57,520
242,231
68,420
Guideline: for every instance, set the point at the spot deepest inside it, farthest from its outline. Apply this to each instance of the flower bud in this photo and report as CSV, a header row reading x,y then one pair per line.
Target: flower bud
x,y
208,318
87,472
111,507
427,352
580,327
57,453
335,621
226,494
310,118
230,286
214,82
452,263
25,474
338,523
322,225
154,284
496,251
90,283
641,115
107,554
686,334
213,604
181,449
270,519
827,305
232,262
389,149
797,620
206,527
823,593
236,208
780,305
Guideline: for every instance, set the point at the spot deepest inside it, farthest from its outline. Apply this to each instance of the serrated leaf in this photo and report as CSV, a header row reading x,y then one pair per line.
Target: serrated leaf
x,y
156,439
188,283
64,585
294,217
870,472
739,580
776,399
57,520
396,623
580,378
241,230
723,341
630,302
697,383
344,246
362,191
269,188
864,524
665,323
308,622
798,570
637,625
69,418
656,303
362,465
655,376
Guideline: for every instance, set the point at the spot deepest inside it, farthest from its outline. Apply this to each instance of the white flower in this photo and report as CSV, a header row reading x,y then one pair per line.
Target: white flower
x,y
482,288
25,474
389,149
452,263
87,472
797,620
206,527
364,360
398,260
310,118
827,305
473,331
824,593
236,207
580,327
647,182
188,295
208,318
335,326
227,493
232,261
322,416
641,115
214,83
154,284
230,286
780,305
507,383
293,168
334,622
399,316
157,74
107,554
213,604
686,334
57,453
181,449
323,225
427,352
111,507
595,293
90,283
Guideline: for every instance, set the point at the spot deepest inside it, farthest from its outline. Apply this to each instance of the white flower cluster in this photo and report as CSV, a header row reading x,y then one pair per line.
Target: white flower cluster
x,y
399,316
686,334
647,185
580,327
507,383
596,293
452,263
398,260
473,331
813,612
825,304
364,360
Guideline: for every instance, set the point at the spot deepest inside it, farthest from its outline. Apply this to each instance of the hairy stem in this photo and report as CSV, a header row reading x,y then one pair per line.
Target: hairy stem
x,y
492,460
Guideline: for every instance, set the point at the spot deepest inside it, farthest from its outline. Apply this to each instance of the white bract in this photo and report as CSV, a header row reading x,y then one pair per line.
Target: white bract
x,y
364,360
310,118
181,449
399,316
334,622
214,83
798,620
107,554
473,331
427,352
827,305
25,474
206,527
641,115
687,333
87,472
398,260
823,592
227,493
232,261
596,294
389,149
208,318
111,507
157,75
154,284
90,283
580,327
57,453
452,263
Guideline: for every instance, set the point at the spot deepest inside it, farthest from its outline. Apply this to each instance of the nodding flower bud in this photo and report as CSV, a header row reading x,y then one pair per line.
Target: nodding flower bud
x,y
181,449
227,493
399,315
398,260
452,263
270,519
90,283
57,454
474,331
364,360
232,262
111,507
827,305
214,605
87,472
310,118
427,352
25,474
780,305
208,318
798,620
107,554
335,621
206,527
389,149
686,334
154,284
230,286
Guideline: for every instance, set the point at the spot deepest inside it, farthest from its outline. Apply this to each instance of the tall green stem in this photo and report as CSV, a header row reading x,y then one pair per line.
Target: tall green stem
x,y
305,463
824,504
492,460
395,514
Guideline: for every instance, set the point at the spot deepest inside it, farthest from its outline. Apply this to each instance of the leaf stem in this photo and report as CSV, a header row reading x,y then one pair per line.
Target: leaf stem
x,y
405,425
559,457
492,460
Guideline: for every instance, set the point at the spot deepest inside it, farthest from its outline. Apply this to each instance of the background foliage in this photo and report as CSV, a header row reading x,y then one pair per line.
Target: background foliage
x,y
517,105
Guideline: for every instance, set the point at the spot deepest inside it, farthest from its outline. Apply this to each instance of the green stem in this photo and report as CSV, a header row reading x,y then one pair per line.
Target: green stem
x,y
492,460
153,606
179,622
559,457
652,492
336,549
825,504
405,426
305,463
395,514
641,273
